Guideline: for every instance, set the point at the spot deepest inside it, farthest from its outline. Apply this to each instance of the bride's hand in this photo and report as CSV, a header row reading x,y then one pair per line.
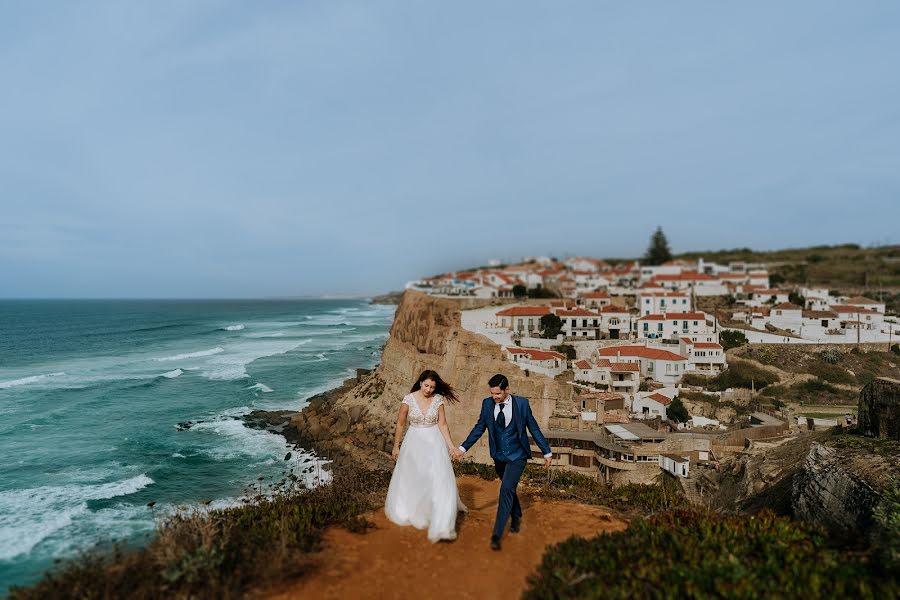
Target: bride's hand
x,y
395,453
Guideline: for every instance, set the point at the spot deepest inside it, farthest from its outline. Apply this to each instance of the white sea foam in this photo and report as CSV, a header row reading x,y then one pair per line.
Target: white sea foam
x,y
261,387
232,365
178,455
238,327
31,515
240,441
267,334
28,380
172,374
200,354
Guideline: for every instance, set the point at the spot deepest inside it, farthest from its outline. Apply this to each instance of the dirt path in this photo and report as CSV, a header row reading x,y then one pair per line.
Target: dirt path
x,y
399,562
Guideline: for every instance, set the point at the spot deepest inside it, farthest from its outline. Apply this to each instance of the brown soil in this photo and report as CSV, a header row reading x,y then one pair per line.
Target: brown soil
x,y
399,562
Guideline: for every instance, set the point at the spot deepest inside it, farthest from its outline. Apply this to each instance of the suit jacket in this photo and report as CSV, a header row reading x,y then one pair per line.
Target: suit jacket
x,y
522,418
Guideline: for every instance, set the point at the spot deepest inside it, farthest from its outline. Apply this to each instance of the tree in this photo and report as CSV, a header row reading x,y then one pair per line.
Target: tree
x,y
540,292
677,411
776,279
795,298
658,251
732,339
566,349
520,291
551,326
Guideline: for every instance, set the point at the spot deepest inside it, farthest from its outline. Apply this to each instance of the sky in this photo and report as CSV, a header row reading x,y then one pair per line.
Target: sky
x,y
192,148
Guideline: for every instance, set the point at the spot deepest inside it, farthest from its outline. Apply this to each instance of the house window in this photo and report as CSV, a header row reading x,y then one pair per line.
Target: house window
x,y
646,326
660,328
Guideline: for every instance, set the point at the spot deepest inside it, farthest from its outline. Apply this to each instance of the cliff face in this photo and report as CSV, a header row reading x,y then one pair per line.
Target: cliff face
x,y
832,490
834,482
426,334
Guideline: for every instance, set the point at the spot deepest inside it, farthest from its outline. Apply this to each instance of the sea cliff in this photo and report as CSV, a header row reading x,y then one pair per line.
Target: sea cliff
x,y
356,422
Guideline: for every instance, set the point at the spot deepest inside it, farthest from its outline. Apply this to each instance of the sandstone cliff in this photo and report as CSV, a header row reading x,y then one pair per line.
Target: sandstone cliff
x,y
426,334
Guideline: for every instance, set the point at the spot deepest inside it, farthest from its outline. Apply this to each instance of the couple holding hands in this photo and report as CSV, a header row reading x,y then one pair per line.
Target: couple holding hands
x,y
423,490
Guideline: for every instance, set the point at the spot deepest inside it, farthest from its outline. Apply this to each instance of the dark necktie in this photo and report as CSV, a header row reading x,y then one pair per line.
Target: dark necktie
x,y
501,417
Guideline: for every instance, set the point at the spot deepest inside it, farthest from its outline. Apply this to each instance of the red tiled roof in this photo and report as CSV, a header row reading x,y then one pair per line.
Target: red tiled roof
x,y
524,311
595,295
612,308
618,367
666,294
664,400
535,354
577,312
640,351
854,309
786,306
707,345
674,317
582,364
687,276
861,300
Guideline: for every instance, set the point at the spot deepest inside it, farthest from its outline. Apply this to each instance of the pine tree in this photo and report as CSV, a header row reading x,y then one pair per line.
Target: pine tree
x,y
658,251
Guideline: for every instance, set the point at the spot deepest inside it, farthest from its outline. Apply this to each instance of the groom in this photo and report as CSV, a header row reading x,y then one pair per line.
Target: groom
x,y
505,417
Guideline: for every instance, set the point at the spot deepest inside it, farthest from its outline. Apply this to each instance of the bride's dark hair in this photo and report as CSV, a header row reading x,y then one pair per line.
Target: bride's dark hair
x,y
440,386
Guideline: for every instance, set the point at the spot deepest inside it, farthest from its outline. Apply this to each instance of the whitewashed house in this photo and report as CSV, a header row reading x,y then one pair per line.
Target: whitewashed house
x,y
703,357
549,363
660,365
580,323
594,300
649,405
522,320
672,325
863,302
675,464
786,316
657,303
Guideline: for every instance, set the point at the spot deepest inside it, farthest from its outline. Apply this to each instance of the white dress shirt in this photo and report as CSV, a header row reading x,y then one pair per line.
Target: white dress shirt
x,y
506,406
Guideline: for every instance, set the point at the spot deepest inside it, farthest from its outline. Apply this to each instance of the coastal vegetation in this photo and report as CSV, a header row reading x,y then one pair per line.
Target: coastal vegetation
x,y
740,374
697,553
220,553
557,484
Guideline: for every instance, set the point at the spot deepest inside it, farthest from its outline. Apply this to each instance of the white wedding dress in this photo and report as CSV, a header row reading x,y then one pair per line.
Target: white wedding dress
x,y
423,487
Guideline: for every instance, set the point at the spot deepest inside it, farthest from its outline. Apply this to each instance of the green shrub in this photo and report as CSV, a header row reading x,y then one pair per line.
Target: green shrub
x,y
895,348
699,554
830,372
558,484
832,356
740,374
566,350
732,339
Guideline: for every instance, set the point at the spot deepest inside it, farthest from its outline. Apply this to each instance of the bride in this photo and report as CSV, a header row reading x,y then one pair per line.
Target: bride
x,y
423,490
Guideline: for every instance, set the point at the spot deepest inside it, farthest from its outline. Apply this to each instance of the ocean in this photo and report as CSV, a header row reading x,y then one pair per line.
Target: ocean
x,y
92,394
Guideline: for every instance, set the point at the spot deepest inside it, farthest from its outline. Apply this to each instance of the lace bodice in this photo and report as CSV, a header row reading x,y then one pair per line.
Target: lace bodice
x,y
416,417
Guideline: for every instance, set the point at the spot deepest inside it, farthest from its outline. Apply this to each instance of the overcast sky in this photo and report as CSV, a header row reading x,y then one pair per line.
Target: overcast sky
x,y
233,149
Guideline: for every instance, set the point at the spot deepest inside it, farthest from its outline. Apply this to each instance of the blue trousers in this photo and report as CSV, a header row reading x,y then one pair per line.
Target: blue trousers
x,y
509,473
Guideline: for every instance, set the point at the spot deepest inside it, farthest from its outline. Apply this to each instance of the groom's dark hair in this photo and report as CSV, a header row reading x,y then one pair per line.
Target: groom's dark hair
x,y
499,381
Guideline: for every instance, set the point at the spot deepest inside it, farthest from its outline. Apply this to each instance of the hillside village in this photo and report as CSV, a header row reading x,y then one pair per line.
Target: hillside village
x,y
640,345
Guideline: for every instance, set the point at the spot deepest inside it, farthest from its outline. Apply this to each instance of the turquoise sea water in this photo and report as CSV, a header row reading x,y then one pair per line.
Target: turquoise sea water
x,y
91,393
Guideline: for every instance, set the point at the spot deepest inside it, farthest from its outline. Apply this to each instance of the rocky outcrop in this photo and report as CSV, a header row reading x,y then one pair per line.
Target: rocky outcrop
x,y
829,491
879,409
357,421
835,480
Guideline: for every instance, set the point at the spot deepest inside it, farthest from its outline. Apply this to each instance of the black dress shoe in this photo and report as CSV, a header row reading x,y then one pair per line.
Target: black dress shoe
x,y
515,525
495,543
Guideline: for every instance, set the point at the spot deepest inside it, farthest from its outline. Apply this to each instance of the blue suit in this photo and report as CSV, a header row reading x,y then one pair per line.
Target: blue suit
x,y
510,450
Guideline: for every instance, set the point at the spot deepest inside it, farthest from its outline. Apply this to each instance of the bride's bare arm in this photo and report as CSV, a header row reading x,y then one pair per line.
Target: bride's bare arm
x,y
445,430
399,429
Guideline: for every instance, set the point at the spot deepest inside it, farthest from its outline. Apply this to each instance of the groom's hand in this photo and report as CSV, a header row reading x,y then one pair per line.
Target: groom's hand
x,y
547,461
